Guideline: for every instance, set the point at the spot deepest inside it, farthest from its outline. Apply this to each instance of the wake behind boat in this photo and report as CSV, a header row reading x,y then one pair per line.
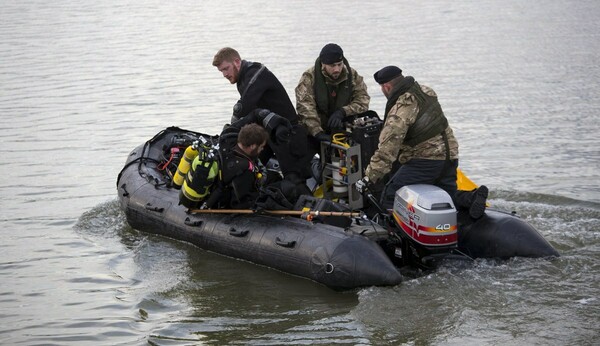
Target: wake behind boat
x,y
325,241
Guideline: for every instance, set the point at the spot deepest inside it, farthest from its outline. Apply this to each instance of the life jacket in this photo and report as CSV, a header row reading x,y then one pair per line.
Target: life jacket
x,y
430,121
202,178
331,97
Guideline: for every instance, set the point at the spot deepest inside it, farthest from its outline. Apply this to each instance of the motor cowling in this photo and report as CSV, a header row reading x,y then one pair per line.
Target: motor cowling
x,y
426,218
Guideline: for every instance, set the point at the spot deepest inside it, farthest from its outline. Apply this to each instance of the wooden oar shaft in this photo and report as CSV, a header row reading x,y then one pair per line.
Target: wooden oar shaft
x,y
275,212
222,211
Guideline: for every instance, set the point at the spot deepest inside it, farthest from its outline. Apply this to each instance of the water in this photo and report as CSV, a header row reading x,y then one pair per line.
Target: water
x,y
83,83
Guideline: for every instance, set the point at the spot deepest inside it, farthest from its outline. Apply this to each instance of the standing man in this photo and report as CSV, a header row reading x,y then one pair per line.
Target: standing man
x,y
416,144
259,88
327,93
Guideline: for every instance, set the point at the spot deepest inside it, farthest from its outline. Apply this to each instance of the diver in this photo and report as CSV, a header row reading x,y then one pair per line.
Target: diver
x,y
259,88
242,174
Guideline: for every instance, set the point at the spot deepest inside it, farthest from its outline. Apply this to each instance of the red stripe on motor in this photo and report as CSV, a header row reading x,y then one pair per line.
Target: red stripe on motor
x,y
428,239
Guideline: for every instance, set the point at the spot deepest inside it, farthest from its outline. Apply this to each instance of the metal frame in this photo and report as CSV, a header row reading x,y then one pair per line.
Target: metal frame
x,y
352,175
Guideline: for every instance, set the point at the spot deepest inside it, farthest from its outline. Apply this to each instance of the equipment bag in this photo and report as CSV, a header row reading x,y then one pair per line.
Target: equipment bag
x,y
202,178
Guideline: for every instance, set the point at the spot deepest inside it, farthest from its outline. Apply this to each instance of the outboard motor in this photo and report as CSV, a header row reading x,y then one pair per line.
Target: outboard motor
x,y
426,218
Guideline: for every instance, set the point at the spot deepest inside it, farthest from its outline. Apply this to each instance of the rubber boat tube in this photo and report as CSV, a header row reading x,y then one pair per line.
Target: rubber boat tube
x,y
341,258
502,235
338,258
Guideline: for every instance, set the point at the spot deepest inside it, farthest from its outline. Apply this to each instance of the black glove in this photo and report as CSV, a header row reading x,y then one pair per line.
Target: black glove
x,y
271,120
276,125
283,133
323,137
336,118
262,113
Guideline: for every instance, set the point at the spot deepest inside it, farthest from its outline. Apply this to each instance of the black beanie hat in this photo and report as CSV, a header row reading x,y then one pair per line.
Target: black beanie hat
x,y
331,53
386,74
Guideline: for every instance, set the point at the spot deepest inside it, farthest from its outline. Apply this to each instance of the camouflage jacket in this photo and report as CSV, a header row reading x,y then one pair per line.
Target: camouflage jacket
x,y
391,148
306,104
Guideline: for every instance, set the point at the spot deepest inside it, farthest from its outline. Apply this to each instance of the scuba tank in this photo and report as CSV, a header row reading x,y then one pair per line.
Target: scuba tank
x,y
184,165
201,178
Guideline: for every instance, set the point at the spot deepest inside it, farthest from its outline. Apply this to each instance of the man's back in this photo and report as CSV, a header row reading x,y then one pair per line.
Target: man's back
x,y
260,88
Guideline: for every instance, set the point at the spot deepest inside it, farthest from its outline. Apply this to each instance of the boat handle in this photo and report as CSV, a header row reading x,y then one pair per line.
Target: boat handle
x,y
284,243
124,188
153,208
234,232
196,223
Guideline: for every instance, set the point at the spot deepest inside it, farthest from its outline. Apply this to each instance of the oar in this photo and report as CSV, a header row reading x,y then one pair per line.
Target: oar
x,y
276,212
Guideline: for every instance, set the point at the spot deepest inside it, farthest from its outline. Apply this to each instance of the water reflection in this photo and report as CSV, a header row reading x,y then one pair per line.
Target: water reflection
x,y
82,84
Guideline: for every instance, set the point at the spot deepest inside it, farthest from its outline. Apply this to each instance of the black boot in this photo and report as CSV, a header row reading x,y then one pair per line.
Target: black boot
x,y
477,208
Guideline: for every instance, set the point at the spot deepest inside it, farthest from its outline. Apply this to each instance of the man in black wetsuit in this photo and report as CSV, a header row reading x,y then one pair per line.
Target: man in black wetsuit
x,y
241,168
260,88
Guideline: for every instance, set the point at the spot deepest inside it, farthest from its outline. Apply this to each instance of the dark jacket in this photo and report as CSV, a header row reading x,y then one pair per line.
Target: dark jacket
x,y
260,89
264,91
315,102
239,179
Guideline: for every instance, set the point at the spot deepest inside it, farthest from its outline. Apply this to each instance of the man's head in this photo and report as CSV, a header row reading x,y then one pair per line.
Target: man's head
x,y
332,60
228,61
387,78
252,139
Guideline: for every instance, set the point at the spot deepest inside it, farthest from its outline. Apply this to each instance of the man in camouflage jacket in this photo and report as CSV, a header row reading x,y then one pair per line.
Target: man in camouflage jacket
x,y
328,92
416,144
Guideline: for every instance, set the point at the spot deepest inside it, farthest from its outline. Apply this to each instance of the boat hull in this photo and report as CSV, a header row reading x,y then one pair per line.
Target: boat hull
x,y
502,235
338,257
333,256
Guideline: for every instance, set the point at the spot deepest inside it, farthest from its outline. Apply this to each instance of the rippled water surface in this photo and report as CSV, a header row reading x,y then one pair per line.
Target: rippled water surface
x,y
83,83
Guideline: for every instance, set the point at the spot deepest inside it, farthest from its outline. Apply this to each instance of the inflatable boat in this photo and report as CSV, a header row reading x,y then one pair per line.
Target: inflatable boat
x,y
319,239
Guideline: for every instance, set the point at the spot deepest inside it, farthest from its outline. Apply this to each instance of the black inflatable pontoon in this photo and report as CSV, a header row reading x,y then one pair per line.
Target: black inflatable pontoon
x,y
361,254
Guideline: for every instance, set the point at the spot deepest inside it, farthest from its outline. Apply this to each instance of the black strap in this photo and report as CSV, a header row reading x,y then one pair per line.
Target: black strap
x,y
252,80
447,160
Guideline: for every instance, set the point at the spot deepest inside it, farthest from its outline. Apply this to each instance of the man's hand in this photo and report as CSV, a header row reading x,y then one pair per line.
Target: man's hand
x,y
277,126
271,120
283,132
362,185
336,118
323,137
